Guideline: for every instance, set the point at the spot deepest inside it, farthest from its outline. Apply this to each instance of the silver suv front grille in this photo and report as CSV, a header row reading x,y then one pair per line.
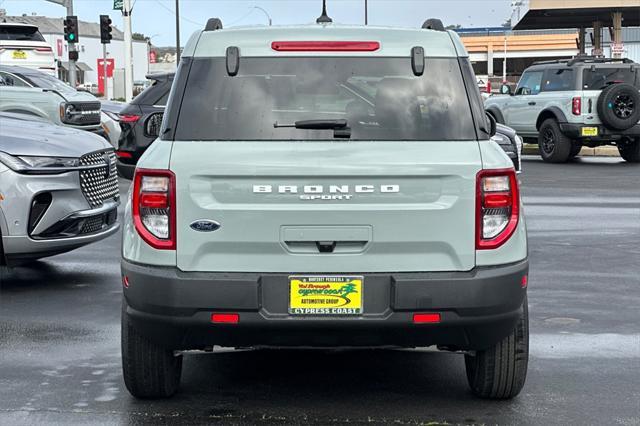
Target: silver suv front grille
x,y
99,184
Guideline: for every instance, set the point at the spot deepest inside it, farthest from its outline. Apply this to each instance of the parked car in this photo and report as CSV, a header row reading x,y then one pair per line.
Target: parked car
x,y
21,77
567,104
138,119
325,186
511,144
58,191
22,44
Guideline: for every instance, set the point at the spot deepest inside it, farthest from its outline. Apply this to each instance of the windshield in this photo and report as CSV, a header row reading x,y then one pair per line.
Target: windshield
x,y
599,78
45,81
380,98
20,33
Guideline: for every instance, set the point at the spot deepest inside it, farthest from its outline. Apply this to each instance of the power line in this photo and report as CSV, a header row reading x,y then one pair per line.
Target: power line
x,y
181,17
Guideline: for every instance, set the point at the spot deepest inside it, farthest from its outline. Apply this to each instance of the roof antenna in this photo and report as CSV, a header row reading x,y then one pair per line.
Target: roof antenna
x,y
324,18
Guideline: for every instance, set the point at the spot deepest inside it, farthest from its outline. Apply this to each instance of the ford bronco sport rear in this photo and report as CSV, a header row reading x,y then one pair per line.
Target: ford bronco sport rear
x,y
325,186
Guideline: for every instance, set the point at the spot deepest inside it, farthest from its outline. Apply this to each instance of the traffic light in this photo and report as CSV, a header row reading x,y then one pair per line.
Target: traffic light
x,y
71,29
105,29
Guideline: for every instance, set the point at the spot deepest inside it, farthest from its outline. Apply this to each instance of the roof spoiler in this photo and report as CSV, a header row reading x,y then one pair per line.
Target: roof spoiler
x,y
213,24
433,24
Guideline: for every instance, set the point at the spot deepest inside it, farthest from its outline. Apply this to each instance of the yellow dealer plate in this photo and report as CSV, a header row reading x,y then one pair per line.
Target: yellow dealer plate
x,y
19,54
589,131
325,295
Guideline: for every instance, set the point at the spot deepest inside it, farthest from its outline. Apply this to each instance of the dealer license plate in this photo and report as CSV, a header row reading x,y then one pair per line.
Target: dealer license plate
x,y
589,131
19,54
325,295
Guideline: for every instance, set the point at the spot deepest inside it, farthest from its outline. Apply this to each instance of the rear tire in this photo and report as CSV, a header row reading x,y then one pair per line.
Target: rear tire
x,y
553,145
630,151
149,370
576,147
499,372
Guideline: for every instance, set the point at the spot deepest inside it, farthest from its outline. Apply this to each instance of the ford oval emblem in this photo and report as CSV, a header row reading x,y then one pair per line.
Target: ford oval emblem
x,y
205,225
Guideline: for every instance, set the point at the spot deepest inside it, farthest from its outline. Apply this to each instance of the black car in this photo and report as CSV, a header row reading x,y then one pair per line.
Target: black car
x,y
139,121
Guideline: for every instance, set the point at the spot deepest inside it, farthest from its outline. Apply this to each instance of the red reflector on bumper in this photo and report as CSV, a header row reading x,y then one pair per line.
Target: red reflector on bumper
x,y
123,154
524,282
225,318
426,318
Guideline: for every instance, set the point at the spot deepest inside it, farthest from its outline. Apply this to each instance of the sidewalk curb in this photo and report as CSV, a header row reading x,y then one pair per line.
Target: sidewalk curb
x,y
601,151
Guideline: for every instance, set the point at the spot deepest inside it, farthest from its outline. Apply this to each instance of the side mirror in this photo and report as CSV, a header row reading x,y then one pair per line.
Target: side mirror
x,y
492,124
153,124
505,89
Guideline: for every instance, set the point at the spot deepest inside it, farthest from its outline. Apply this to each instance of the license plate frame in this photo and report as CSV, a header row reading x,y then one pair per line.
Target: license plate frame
x,y
326,295
589,131
19,54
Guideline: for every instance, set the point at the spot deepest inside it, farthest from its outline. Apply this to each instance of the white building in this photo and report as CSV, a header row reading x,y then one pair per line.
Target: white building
x,y
89,48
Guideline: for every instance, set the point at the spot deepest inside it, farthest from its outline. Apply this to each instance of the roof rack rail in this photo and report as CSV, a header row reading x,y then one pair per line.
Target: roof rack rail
x,y
433,24
213,24
584,59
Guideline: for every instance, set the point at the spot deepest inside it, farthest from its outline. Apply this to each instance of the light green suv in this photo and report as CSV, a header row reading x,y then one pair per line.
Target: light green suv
x,y
325,186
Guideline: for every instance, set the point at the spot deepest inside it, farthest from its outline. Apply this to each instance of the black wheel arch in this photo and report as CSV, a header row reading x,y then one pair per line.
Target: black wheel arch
x,y
551,112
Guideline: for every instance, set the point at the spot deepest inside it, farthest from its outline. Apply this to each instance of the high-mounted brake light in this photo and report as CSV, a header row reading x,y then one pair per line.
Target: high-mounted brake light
x,y
44,49
576,105
497,207
154,207
325,46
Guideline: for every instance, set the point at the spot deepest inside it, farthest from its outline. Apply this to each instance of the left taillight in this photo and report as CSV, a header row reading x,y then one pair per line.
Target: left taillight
x,y
497,207
154,207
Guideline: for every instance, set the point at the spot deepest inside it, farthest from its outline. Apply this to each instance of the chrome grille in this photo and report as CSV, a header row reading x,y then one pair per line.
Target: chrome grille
x,y
97,185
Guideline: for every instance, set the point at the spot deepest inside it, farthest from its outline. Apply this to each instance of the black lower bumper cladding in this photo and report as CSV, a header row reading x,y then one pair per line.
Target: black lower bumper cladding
x,y
173,308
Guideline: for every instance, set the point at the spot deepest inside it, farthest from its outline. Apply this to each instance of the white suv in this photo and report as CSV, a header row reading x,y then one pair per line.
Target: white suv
x,y
570,103
22,44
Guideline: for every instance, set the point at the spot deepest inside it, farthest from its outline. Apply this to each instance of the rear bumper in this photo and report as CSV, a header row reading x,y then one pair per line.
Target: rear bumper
x,y
605,134
173,308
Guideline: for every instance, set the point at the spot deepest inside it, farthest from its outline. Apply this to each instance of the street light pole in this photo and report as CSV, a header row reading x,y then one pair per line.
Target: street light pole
x,y
177,32
265,13
128,51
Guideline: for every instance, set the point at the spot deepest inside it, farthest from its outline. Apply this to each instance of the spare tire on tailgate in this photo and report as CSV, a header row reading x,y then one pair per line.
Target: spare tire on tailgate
x,y
619,106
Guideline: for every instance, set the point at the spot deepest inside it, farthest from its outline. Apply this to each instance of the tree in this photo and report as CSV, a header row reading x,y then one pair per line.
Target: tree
x,y
139,37
453,27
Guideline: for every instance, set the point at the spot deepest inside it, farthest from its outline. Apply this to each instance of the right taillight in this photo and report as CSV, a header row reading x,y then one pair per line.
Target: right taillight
x,y
497,207
154,207
576,105
129,118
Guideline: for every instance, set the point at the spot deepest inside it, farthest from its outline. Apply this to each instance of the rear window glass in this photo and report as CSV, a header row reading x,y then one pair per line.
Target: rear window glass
x,y
555,80
600,78
380,98
20,33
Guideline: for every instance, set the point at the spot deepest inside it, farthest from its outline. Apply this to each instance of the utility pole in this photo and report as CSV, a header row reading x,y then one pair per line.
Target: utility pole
x,y
366,13
177,32
128,51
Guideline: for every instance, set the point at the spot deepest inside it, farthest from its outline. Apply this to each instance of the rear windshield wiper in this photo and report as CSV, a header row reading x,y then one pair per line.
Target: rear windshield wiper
x,y
340,126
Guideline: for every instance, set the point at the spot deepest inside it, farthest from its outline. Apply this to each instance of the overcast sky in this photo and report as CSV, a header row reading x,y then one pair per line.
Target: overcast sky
x,y
156,18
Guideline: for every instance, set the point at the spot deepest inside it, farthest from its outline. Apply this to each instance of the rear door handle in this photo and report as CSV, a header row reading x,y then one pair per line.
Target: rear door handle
x,y
532,103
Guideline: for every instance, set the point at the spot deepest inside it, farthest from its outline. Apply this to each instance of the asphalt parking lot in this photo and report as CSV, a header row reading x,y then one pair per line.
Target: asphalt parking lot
x,y
60,347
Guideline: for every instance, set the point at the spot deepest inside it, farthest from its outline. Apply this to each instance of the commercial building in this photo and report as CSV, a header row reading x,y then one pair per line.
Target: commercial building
x,y
89,48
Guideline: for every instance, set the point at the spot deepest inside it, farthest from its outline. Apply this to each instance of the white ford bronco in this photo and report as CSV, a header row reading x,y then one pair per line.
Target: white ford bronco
x,y
325,186
564,105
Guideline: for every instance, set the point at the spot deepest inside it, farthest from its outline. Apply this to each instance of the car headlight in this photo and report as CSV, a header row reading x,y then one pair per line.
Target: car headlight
x,y
33,164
